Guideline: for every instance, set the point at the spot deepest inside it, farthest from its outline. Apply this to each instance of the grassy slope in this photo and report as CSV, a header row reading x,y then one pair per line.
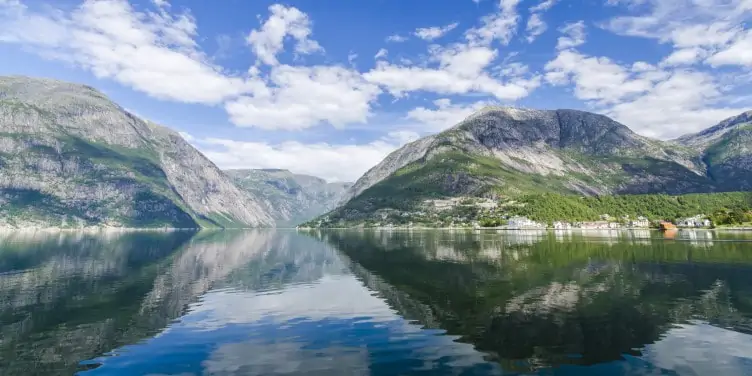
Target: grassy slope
x,y
116,166
455,173
553,207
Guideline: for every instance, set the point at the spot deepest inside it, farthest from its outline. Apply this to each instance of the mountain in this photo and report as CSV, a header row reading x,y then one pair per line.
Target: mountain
x,y
292,198
502,151
726,150
70,157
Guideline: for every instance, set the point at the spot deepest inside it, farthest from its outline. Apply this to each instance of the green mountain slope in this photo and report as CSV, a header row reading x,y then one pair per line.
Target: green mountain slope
x,y
511,152
70,157
292,198
726,151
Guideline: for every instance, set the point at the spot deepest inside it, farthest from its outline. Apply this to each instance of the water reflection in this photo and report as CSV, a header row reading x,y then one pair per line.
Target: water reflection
x,y
598,300
376,303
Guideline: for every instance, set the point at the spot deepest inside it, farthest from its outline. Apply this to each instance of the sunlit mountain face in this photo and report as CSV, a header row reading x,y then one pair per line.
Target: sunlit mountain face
x,y
268,302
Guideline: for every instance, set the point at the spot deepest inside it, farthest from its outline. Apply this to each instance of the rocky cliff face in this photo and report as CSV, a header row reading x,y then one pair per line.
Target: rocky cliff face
x,y
70,157
508,151
726,151
291,198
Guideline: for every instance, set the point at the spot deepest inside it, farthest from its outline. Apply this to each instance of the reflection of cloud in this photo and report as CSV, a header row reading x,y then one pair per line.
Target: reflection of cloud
x,y
286,358
702,349
555,296
330,297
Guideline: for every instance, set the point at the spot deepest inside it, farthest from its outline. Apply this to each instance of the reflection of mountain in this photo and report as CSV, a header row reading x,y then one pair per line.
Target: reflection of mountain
x,y
71,295
294,309
65,297
536,305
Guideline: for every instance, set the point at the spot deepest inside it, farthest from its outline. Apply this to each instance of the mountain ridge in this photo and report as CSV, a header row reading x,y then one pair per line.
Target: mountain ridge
x,y
291,198
69,156
510,151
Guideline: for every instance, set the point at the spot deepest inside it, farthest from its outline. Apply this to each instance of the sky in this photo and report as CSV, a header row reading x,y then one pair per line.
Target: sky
x,y
329,88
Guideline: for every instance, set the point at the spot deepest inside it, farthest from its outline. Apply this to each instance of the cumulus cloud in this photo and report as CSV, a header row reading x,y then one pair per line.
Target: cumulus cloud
x,y
283,22
739,52
396,38
445,115
574,35
300,97
153,52
535,27
330,161
382,53
499,26
709,31
157,53
642,95
535,24
682,102
435,32
459,69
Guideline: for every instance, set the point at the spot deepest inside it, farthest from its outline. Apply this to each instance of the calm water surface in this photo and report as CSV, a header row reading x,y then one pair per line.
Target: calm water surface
x,y
376,303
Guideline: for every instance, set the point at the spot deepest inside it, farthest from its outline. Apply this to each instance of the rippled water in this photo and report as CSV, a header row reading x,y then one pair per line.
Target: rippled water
x,y
376,303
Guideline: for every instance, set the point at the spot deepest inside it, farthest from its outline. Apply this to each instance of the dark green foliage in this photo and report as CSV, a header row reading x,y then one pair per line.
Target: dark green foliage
x,y
624,294
553,207
732,217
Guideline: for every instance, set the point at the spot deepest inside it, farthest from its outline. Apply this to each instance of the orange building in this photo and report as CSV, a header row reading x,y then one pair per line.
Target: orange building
x,y
666,226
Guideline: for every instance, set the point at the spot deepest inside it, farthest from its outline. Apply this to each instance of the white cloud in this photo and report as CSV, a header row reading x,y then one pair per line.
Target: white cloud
x,y
300,97
396,38
574,35
595,78
402,137
535,24
283,22
681,103
642,96
460,69
381,54
187,136
739,52
333,162
696,29
501,25
684,56
155,53
431,33
161,3
535,27
543,6
445,115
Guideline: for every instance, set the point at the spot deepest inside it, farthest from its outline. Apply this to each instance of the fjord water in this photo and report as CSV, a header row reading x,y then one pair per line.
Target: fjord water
x,y
269,302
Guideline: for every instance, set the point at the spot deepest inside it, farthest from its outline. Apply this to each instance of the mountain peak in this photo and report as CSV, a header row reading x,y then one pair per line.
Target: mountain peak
x,y
713,133
517,113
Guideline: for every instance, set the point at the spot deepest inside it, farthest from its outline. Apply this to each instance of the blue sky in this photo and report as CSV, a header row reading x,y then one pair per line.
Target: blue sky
x,y
329,88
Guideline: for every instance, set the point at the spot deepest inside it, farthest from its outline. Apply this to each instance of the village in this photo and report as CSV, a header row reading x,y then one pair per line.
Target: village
x,y
609,222
483,213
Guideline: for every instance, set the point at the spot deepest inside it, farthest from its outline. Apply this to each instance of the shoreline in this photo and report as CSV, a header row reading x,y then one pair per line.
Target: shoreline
x,y
525,229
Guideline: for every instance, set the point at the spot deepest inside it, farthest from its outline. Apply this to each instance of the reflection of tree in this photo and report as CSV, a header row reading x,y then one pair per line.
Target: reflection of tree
x,y
541,302
65,297
71,295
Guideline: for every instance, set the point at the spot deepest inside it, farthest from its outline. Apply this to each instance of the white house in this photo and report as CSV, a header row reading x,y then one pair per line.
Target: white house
x,y
696,221
562,225
523,222
640,222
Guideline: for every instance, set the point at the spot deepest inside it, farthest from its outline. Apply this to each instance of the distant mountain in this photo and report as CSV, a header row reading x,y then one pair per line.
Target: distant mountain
x,y
70,157
501,151
292,198
726,151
